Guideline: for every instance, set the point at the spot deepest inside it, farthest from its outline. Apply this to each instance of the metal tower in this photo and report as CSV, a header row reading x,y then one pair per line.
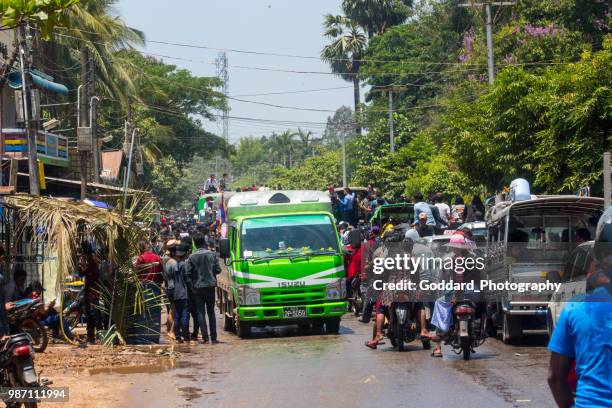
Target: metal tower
x,y
223,75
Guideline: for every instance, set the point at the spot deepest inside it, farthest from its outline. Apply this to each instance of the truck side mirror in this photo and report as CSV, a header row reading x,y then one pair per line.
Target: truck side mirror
x,y
224,248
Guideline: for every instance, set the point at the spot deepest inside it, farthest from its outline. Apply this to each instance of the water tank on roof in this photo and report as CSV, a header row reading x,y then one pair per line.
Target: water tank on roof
x,y
520,190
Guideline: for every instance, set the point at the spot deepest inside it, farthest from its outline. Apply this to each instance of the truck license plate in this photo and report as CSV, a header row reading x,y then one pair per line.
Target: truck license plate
x,y
291,312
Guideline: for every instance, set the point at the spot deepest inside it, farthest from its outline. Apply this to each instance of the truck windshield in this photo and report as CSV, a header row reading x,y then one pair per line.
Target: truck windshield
x,y
290,235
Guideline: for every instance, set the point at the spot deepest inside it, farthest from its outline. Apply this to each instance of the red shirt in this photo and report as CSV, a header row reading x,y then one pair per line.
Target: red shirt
x,y
355,263
151,273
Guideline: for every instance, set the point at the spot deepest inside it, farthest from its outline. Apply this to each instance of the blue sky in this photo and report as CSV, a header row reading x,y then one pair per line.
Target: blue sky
x,y
275,26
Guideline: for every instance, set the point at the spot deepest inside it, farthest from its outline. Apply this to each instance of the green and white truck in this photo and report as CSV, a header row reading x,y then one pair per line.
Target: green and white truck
x,y
284,262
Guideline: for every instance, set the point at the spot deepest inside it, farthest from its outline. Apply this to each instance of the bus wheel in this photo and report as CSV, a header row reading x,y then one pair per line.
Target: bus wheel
x,y
332,325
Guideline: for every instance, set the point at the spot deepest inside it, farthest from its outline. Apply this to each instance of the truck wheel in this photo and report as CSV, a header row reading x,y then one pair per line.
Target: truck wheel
x,y
511,329
332,325
228,323
243,330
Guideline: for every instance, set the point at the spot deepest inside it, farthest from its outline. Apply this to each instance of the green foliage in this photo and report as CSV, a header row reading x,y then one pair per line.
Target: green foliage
x,y
43,14
440,174
376,16
165,179
314,173
551,128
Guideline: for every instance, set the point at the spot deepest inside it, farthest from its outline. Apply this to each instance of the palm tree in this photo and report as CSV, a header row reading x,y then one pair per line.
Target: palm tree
x,y
345,52
306,141
376,16
282,146
94,24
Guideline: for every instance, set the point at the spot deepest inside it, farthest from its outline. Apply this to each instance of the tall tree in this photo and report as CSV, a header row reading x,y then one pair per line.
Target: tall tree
x,y
94,23
344,53
339,126
376,16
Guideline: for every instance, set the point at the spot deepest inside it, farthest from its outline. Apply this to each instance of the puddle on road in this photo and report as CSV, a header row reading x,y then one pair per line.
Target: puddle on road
x,y
192,393
158,367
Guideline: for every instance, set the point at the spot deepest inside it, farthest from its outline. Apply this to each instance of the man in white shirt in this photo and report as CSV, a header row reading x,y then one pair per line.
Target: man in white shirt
x,y
211,186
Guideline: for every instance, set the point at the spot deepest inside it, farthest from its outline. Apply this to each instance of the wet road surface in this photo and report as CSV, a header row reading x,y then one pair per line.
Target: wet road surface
x,y
285,368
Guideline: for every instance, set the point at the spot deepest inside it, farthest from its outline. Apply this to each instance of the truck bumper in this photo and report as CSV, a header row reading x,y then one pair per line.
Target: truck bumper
x,y
320,310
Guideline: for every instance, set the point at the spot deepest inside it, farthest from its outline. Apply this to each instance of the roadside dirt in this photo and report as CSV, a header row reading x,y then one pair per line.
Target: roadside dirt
x,y
87,371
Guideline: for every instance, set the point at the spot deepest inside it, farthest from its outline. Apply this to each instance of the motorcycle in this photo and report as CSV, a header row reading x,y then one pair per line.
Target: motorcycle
x,y
465,334
25,318
404,325
17,366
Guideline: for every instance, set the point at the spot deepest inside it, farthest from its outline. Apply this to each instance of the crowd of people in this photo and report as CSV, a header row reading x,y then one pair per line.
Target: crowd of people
x,y
430,218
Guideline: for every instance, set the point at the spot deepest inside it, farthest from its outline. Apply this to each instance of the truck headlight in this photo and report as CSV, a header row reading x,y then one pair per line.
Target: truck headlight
x,y
248,296
335,290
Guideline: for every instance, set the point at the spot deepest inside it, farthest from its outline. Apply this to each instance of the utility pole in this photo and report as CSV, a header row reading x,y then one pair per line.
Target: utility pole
x,y
489,30
344,130
390,90
30,124
126,177
607,184
83,115
391,136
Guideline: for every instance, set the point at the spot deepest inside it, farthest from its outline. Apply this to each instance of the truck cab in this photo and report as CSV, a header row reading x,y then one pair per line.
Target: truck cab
x,y
283,260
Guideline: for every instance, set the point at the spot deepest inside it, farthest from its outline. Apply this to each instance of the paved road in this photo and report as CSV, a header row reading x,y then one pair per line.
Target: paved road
x,y
284,368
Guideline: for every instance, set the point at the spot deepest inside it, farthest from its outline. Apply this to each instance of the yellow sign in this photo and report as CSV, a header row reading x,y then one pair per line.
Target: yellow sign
x,y
41,175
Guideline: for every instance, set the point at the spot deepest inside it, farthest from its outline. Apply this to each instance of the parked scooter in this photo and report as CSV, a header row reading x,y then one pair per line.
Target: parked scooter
x,y
465,334
404,325
25,318
17,366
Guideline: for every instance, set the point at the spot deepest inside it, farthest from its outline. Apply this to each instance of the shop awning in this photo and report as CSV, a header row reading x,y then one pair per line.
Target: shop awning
x,y
39,80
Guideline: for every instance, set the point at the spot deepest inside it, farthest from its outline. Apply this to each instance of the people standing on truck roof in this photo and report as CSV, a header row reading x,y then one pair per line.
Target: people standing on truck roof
x,y
363,205
347,206
421,206
211,185
202,268
224,184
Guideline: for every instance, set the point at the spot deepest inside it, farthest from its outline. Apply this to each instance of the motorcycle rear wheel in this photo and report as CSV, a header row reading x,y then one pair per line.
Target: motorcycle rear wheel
x,y
400,335
466,348
40,337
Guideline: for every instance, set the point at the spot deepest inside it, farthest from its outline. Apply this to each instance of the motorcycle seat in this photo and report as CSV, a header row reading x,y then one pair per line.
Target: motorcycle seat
x,y
17,338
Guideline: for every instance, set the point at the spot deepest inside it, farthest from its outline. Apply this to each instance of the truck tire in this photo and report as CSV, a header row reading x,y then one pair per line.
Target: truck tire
x,y
511,329
228,323
243,330
332,326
